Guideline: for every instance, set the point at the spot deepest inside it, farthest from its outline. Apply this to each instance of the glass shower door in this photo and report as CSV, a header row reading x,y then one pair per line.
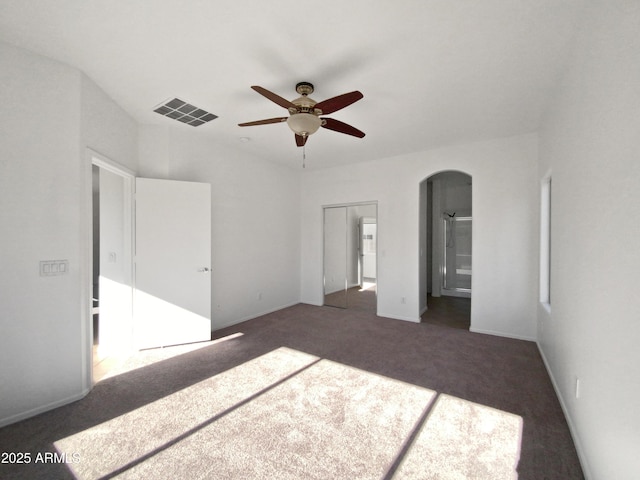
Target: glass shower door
x,y
457,254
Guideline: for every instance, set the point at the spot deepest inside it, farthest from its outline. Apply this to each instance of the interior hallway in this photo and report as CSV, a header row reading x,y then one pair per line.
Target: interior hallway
x,y
446,311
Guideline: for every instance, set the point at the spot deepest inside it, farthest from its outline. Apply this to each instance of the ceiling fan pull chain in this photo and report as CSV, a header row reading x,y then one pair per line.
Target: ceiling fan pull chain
x,y
304,156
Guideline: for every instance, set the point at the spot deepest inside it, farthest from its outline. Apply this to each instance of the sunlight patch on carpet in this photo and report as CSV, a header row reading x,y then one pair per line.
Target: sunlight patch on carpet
x,y
291,415
329,421
121,441
143,358
286,415
462,440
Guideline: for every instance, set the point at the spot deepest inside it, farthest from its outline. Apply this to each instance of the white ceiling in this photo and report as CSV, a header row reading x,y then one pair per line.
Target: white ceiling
x,y
433,72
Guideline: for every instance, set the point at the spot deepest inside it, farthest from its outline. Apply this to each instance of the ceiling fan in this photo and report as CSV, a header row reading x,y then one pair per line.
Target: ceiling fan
x,y
305,113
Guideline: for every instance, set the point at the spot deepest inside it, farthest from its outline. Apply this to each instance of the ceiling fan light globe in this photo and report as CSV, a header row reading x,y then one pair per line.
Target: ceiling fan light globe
x,y
304,124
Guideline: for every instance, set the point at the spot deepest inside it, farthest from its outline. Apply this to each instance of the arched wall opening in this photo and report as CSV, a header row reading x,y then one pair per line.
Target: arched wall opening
x,y
446,248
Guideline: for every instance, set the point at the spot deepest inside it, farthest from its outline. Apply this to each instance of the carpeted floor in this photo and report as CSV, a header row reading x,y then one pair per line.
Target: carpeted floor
x,y
311,392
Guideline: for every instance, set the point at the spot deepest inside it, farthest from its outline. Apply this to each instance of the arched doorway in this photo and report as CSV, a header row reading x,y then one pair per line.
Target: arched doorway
x,y
446,220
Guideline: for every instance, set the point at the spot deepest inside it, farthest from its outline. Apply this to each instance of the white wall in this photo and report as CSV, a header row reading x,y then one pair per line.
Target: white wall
x,y
590,142
255,240
44,188
505,228
106,128
40,345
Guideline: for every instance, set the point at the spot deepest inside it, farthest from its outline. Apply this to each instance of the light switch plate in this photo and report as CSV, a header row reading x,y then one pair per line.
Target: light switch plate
x,y
50,268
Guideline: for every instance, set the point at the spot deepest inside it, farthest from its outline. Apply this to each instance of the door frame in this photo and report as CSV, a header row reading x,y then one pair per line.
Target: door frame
x,y
361,222
92,158
427,230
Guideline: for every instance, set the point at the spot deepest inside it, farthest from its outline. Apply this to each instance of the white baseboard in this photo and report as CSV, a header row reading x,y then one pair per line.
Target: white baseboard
x,y
572,429
502,334
252,316
399,317
43,408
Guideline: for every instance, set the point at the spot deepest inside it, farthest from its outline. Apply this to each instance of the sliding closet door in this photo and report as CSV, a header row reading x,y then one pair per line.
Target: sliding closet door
x,y
335,256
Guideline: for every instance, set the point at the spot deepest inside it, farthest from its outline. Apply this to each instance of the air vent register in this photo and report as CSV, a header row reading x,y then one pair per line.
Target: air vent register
x,y
184,112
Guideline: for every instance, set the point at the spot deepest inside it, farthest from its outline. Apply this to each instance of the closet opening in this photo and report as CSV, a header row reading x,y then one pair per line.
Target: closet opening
x,y
350,256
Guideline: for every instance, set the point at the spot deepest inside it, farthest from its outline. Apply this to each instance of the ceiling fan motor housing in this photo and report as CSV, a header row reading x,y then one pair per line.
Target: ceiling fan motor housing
x,y
304,104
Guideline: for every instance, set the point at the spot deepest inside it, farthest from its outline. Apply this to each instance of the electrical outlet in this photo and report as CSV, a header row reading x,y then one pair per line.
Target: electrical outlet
x,y
578,387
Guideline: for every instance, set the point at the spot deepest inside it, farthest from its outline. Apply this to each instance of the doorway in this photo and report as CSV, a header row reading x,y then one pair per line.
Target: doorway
x,y
173,251
446,258
112,269
350,256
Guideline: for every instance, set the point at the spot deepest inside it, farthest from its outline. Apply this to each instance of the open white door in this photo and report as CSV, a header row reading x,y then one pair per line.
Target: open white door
x,y
172,303
112,269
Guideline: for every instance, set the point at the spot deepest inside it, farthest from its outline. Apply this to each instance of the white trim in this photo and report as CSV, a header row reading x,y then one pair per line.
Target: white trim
x,y
86,274
43,408
251,317
436,240
352,204
399,317
502,334
92,158
109,165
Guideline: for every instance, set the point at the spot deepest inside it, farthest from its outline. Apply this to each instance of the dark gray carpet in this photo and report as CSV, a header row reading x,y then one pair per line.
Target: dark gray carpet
x,y
344,393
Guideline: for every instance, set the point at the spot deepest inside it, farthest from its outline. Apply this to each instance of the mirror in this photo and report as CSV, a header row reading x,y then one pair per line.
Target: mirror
x,y
350,262
335,257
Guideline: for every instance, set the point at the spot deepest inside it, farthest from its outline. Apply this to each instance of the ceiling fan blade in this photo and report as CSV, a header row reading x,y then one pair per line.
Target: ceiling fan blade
x,y
336,103
300,140
341,127
283,102
263,122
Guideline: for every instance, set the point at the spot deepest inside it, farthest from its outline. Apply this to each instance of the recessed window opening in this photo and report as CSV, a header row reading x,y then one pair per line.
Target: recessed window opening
x,y
545,241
